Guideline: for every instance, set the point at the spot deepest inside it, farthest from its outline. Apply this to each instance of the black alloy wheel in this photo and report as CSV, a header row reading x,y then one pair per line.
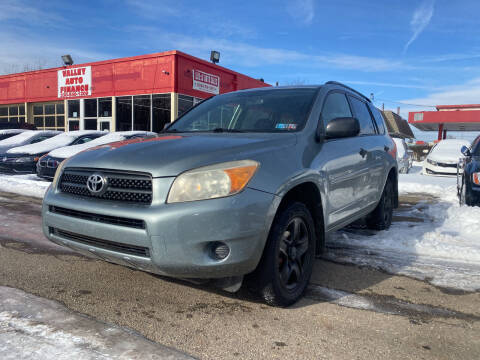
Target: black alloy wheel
x,y
292,261
381,217
287,261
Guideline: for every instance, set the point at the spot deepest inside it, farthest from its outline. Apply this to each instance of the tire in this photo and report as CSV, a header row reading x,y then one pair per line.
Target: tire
x,y
381,217
287,261
465,196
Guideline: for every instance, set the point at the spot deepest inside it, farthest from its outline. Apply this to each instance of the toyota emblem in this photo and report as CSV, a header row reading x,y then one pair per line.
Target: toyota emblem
x,y
96,184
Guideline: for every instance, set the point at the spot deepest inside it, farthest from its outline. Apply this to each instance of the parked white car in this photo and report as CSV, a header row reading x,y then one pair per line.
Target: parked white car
x,y
404,160
444,157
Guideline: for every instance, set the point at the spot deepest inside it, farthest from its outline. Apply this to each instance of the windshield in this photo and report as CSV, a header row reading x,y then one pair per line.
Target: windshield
x,y
276,110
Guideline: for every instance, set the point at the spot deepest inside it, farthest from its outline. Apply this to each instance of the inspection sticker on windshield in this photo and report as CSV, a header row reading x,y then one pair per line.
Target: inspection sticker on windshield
x,y
286,126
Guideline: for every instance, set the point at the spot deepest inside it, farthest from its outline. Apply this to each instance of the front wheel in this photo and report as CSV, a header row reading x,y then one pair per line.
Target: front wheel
x,y
287,262
381,217
465,196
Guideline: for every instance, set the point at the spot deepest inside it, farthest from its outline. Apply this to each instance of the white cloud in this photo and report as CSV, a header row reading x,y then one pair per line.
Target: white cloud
x,y
302,11
420,19
24,11
27,52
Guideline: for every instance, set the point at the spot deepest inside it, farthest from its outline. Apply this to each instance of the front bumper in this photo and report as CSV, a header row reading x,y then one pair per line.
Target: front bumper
x,y
176,237
430,169
18,168
46,172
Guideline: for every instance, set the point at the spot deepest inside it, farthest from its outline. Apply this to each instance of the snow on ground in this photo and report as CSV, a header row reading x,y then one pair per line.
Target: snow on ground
x,y
28,185
432,237
35,328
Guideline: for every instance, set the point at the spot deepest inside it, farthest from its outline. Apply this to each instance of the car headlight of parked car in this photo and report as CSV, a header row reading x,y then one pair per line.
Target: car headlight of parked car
x,y
25,159
213,181
434,163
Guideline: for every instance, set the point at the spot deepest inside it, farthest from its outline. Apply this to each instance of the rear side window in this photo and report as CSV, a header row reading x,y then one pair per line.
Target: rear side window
x,y
335,106
377,116
363,116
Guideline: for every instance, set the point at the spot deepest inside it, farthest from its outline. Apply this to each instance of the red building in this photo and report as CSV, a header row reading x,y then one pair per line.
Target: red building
x,y
135,93
447,117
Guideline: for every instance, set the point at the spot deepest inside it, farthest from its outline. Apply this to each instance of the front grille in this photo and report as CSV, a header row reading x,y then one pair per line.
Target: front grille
x,y
100,243
121,186
107,219
447,165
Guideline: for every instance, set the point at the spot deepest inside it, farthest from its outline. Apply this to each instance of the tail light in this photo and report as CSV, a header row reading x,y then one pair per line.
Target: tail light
x,y
476,178
393,150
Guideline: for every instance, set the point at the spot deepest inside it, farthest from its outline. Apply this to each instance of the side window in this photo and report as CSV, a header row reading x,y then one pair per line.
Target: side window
x,y
363,116
38,139
377,116
335,106
83,140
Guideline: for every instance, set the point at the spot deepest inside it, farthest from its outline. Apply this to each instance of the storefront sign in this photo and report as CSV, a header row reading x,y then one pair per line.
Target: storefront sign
x,y
75,82
206,82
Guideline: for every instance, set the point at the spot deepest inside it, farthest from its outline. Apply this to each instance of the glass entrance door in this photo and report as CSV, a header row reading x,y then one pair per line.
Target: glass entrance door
x,y
104,124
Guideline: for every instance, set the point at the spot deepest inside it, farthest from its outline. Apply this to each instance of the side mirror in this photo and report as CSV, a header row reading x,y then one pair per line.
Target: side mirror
x,y
465,151
342,127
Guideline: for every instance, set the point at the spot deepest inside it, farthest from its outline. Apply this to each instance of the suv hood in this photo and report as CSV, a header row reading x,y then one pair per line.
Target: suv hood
x,y
170,155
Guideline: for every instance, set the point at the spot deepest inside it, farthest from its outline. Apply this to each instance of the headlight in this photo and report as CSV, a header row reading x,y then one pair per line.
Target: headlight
x,y
476,178
213,181
25,159
58,173
434,163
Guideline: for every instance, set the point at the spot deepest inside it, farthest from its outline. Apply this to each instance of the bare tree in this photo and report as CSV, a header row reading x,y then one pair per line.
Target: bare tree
x,y
37,64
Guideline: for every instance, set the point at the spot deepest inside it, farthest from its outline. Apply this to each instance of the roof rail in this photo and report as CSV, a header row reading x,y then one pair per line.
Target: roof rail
x,y
347,87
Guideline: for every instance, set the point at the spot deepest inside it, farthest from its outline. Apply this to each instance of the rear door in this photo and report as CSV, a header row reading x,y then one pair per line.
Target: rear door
x,y
371,146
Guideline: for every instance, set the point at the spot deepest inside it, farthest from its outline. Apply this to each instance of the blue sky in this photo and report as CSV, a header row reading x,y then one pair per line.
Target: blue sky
x,y
404,52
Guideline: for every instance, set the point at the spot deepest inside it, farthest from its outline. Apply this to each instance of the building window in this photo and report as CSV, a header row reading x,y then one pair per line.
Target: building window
x,y
160,111
185,103
49,115
104,107
141,112
73,108
90,107
124,113
12,113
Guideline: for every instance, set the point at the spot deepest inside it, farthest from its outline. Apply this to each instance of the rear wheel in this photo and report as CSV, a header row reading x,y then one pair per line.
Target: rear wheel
x,y
287,262
381,217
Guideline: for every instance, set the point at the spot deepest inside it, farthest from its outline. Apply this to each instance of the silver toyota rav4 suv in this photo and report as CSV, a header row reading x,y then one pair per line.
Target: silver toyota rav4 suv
x,y
244,185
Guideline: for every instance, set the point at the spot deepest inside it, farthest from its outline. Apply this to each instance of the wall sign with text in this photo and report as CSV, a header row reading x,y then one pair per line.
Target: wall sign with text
x,y
75,82
206,82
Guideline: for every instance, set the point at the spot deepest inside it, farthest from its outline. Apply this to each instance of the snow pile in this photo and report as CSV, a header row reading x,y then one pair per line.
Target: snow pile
x,y
68,151
19,139
36,328
28,185
10,131
432,237
54,142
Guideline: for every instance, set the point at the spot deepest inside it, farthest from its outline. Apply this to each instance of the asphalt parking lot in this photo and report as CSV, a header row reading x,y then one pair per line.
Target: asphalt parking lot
x,y
348,312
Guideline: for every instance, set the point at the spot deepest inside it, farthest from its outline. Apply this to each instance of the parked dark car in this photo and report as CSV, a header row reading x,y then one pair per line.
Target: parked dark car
x,y
47,164
27,137
469,185
23,159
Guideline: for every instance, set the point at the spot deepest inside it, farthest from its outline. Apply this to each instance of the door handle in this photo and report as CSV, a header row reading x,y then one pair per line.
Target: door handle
x,y
363,152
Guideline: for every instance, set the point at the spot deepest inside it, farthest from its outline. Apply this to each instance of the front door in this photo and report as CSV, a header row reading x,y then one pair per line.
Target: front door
x,y
342,162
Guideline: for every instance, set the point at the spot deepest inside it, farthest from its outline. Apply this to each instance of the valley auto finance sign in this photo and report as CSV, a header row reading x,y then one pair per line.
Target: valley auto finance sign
x,y
206,82
75,82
